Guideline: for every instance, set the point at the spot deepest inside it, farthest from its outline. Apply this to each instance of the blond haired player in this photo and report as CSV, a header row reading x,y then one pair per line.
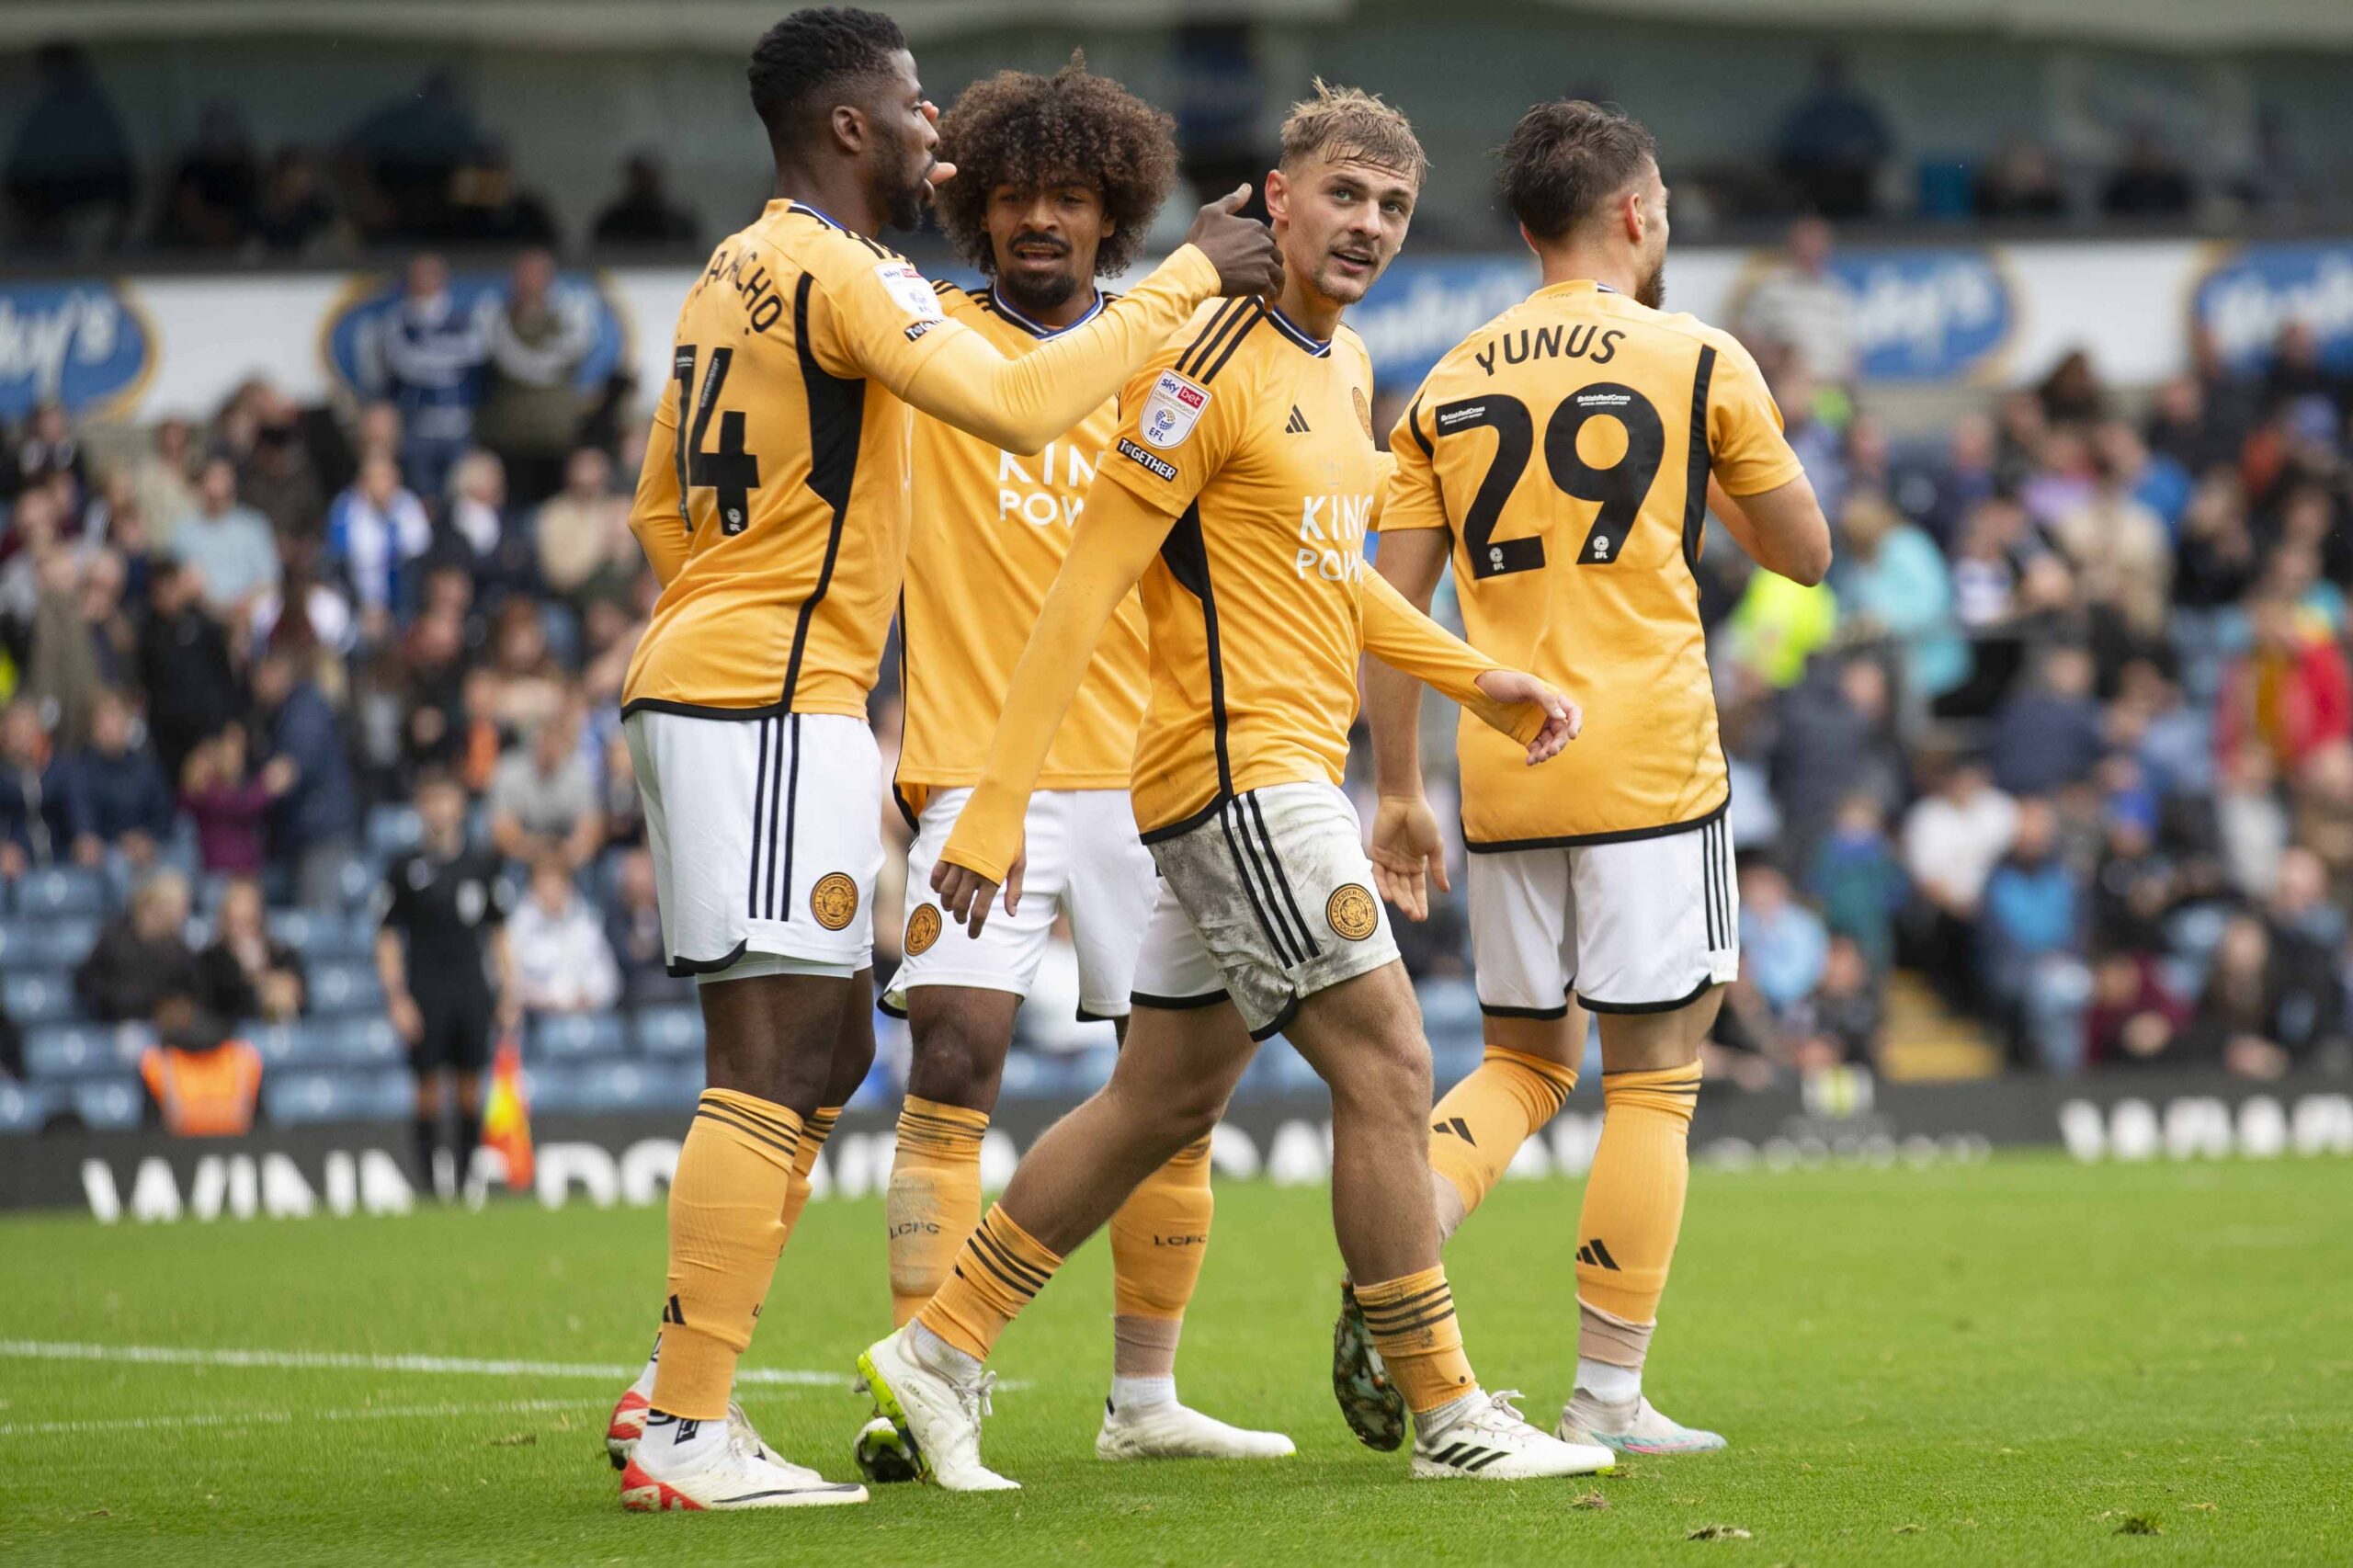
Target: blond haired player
x,y
1238,487
773,507
1560,457
1058,180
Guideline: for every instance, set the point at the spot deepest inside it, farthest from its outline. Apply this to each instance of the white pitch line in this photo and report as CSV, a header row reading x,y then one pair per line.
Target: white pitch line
x,y
352,1361
283,1417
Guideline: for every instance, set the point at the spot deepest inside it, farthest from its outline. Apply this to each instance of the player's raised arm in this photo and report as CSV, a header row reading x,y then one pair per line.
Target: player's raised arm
x,y
1117,536
1020,405
1758,488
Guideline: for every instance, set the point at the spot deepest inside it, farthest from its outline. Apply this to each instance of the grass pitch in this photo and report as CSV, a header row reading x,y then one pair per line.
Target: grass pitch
x,y
2022,1362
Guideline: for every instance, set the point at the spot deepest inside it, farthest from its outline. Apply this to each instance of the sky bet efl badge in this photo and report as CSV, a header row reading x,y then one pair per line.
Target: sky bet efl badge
x,y
1170,412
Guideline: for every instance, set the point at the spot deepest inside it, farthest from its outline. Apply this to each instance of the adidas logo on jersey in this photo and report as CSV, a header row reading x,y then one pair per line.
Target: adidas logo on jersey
x,y
1297,423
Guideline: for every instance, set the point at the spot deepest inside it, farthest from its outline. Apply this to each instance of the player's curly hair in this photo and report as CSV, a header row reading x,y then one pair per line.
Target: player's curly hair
x,y
810,51
1348,122
1076,128
1565,158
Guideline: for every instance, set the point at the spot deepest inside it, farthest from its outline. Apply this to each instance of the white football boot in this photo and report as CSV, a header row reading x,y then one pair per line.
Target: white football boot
x,y
1167,1430
626,1429
1635,1427
729,1473
937,1414
1491,1441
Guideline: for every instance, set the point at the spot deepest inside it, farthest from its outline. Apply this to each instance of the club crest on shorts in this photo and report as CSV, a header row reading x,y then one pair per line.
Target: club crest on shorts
x,y
1171,410
922,929
833,900
1351,913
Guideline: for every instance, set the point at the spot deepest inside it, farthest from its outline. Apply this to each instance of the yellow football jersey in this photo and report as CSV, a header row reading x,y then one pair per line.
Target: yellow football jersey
x,y
1256,437
1566,445
990,531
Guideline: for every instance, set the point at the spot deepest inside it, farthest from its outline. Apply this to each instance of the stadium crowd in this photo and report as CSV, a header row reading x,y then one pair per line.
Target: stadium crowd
x,y
2068,733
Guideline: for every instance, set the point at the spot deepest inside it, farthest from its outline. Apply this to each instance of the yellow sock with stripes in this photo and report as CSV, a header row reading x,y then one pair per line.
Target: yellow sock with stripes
x,y
1159,1237
1414,1329
933,1199
727,1203
999,1270
1634,1207
814,1133
1483,1120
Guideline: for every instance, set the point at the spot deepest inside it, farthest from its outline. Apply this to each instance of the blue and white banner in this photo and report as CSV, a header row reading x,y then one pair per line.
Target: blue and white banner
x,y
87,345
1929,316
2249,293
477,296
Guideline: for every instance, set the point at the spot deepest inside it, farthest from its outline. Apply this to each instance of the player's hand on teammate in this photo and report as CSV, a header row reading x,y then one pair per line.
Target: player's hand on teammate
x,y
1408,854
940,173
1242,249
965,894
1562,718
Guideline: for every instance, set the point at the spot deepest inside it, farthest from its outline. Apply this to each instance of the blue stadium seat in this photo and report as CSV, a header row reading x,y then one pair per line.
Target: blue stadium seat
x,y
341,988
1452,1061
357,882
1450,1009
53,942
365,1042
668,1031
80,1050
392,830
576,1036
291,1098
43,998
26,1107
109,1105
62,889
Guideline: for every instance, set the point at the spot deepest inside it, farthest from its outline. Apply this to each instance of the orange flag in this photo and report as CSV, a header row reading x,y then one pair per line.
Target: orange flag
x,y
507,1116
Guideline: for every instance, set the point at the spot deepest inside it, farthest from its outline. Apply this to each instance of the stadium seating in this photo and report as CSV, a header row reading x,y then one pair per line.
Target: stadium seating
x,y
109,1105
60,891
26,1107
577,1037
53,942
80,1050
668,1031
343,988
297,1098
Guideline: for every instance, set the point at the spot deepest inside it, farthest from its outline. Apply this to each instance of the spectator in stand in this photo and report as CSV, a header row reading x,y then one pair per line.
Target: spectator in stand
x,y
404,157
209,197
228,543
375,530
2323,815
2022,181
495,550
1844,1017
2237,1023
142,968
530,684
1859,881
69,177
278,478
2291,693
2048,736
36,794
1779,625
163,481
184,667
2149,183
48,447
531,405
2307,932
247,975
425,355
643,213
229,805
562,962
1952,840
2072,395
1801,308
1783,944
585,547
1836,738
2135,1018
123,808
2181,425
543,799
60,666
2030,939
1965,479
633,932
293,216
315,818
489,207
2121,554
1833,142
1891,583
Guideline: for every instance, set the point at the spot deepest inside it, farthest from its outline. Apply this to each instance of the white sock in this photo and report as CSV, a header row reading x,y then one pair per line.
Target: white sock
x,y
1134,1394
1608,1383
673,1441
1429,1423
941,1357
653,1358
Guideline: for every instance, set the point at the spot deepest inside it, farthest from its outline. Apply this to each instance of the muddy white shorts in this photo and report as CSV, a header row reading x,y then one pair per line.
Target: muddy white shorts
x,y
1268,900
766,836
1639,926
1084,862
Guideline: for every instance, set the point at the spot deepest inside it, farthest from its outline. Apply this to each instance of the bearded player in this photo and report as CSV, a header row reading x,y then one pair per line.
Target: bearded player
x,y
773,507
1561,459
1058,178
1237,490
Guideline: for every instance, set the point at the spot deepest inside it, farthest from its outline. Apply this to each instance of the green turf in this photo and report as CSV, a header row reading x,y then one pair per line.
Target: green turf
x,y
2028,1361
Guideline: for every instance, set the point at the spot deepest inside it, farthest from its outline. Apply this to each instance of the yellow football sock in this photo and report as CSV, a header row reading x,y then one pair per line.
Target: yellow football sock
x,y
1158,1239
1633,1198
934,1199
999,1270
814,1133
1483,1120
726,1228
1414,1329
